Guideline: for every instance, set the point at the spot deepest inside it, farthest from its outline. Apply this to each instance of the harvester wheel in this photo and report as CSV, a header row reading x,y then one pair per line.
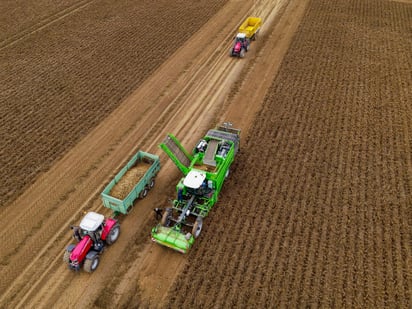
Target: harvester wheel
x,y
90,265
151,183
66,257
227,174
197,227
144,192
113,234
166,217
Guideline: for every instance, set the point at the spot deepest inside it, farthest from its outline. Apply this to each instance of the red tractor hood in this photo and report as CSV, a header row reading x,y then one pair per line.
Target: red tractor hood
x,y
82,248
237,47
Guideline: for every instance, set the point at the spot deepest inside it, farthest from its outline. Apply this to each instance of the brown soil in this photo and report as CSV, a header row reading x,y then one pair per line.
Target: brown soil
x,y
321,215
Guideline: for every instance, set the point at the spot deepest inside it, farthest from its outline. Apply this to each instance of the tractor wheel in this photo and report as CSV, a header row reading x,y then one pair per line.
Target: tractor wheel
x,y
144,192
113,235
66,257
247,48
166,217
90,265
197,227
151,183
242,53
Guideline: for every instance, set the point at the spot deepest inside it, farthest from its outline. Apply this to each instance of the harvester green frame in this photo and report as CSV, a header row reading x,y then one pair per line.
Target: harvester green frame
x,y
204,170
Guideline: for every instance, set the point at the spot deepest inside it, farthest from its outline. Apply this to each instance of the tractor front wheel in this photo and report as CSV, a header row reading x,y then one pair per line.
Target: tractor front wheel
x,y
90,265
197,227
66,257
113,234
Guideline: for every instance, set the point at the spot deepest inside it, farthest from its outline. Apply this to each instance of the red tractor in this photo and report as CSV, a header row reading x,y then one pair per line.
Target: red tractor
x,y
240,46
92,235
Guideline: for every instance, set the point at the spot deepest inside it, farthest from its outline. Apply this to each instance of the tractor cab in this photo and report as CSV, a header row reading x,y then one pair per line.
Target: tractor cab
x,y
93,234
241,45
241,37
92,222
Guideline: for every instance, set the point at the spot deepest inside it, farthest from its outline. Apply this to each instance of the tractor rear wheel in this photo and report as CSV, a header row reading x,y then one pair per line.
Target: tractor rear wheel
x,y
90,265
113,234
66,257
166,217
242,53
197,227
144,192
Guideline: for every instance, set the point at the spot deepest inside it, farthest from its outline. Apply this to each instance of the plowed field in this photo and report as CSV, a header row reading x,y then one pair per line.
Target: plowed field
x,y
66,65
316,211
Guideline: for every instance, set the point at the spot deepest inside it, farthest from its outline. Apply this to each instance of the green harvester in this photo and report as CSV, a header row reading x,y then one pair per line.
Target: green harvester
x,y
205,171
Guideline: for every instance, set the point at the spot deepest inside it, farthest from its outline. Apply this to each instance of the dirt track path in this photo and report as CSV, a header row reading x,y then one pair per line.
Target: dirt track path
x,y
185,96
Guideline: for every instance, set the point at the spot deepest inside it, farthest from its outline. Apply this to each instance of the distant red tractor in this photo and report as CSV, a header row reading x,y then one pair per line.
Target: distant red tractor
x,y
248,31
240,46
92,235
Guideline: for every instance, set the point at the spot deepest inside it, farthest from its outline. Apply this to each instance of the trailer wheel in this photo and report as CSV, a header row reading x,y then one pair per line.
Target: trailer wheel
x,y
144,192
66,257
197,227
166,217
152,183
256,34
90,265
113,234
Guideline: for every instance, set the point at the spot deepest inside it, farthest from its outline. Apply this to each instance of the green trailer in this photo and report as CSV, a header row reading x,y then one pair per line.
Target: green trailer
x,y
204,170
133,181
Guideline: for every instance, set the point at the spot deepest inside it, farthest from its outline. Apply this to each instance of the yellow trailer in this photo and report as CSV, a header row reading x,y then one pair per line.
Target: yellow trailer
x,y
250,27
